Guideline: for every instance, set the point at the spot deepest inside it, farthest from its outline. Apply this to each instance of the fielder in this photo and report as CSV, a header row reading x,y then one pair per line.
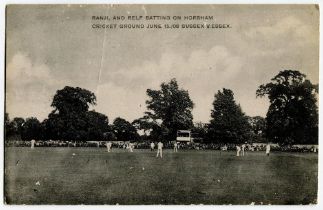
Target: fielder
x,y
238,150
109,145
175,146
243,146
152,146
131,146
267,149
160,150
33,143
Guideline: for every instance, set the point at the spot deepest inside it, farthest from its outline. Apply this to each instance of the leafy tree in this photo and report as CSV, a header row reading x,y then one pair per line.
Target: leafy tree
x,y
153,130
228,124
170,106
124,130
292,116
17,124
71,119
143,124
53,127
85,126
109,136
97,125
199,131
14,128
258,127
31,129
72,126
71,99
7,128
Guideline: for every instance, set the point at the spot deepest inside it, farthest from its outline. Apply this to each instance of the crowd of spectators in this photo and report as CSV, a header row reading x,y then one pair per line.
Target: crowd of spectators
x,y
167,145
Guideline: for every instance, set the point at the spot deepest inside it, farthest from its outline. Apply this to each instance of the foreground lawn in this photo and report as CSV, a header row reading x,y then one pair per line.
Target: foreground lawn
x,y
94,176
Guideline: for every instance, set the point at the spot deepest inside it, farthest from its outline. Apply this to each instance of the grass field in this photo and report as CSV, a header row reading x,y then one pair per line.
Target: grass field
x,y
94,176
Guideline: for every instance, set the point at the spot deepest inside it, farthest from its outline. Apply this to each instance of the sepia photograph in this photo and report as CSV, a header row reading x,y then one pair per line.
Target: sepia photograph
x,y
161,104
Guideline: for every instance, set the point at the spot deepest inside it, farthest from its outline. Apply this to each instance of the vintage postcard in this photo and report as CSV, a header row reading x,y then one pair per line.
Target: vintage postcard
x,y
161,104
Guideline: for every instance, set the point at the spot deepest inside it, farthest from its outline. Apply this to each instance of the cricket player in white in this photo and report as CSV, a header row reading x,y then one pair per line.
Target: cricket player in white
x,y
238,150
175,146
243,146
33,143
109,145
160,150
131,146
267,149
152,146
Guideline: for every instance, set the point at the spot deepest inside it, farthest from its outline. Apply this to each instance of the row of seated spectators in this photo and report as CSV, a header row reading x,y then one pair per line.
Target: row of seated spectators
x,y
168,145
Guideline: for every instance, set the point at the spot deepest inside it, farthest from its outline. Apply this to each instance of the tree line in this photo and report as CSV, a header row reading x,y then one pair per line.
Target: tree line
x,y
292,116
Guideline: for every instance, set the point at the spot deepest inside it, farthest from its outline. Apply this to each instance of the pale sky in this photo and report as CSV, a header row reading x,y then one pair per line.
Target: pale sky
x,y
49,47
